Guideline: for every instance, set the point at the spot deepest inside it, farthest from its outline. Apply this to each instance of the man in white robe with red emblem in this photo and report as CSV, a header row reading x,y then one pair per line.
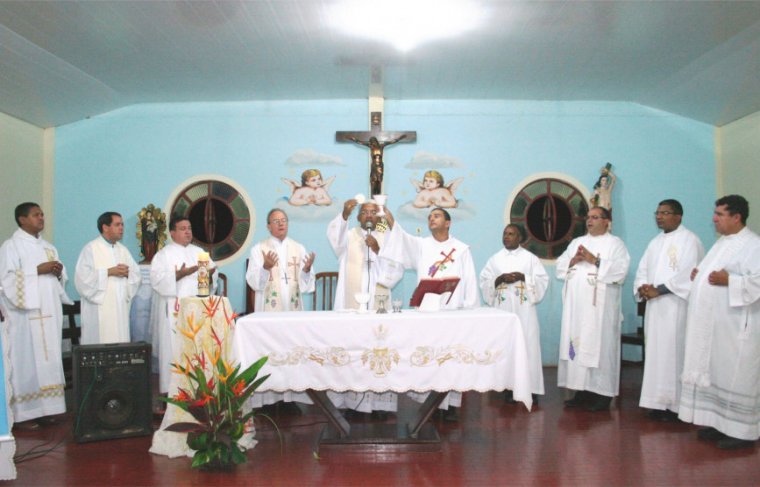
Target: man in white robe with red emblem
x,y
33,288
721,372
593,267
662,281
514,279
437,256
107,278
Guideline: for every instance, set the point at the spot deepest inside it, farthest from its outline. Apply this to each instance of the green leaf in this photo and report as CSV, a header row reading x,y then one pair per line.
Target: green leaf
x,y
237,455
250,373
185,427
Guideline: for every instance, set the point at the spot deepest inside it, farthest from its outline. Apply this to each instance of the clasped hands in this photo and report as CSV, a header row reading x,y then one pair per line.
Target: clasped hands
x,y
647,292
53,267
509,278
583,254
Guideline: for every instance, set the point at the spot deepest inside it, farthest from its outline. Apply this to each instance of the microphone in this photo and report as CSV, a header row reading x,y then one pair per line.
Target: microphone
x,y
369,226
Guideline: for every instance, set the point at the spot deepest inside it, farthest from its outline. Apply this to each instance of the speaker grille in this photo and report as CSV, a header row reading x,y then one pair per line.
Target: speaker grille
x,y
112,391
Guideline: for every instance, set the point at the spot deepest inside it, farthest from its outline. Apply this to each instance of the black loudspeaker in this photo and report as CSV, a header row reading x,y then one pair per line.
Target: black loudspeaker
x,y
112,391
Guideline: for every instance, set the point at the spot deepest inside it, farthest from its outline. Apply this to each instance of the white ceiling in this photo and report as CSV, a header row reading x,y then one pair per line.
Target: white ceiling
x,y
62,61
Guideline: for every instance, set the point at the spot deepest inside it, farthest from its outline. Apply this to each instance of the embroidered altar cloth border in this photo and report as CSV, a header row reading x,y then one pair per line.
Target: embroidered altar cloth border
x,y
480,349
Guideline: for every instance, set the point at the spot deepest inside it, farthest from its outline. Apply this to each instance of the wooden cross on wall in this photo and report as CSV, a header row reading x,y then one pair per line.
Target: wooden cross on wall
x,y
376,139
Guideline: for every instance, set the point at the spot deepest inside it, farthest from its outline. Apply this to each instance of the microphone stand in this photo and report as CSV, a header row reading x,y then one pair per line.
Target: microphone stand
x,y
368,226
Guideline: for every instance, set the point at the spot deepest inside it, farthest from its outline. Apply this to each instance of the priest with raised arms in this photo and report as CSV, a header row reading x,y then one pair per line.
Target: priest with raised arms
x,y
107,278
33,288
593,267
362,270
662,282
437,256
173,276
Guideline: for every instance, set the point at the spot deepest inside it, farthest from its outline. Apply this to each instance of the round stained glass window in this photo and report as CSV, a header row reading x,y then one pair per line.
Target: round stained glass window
x,y
219,215
551,213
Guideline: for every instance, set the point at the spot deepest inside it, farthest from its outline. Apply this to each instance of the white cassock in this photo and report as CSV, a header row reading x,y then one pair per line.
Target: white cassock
x,y
361,269
721,376
282,287
167,291
279,289
668,260
432,259
589,354
105,300
32,307
520,298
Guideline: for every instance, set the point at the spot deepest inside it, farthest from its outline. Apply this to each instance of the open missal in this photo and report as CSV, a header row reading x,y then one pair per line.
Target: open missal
x,y
435,286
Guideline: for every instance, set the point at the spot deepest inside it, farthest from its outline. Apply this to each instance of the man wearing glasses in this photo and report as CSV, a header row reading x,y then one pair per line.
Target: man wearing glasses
x,y
279,268
593,267
662,281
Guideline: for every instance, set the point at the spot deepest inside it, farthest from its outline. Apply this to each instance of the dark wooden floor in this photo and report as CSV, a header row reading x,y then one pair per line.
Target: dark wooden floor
x,y
494,444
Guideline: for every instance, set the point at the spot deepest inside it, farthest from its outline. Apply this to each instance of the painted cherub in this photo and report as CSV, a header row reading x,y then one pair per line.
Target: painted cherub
x,y
432,192
312,191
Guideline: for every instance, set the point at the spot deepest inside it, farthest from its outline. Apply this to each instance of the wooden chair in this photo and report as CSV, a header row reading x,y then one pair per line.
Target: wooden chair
x,y
71,331
324,291
221,285
638,337
250,294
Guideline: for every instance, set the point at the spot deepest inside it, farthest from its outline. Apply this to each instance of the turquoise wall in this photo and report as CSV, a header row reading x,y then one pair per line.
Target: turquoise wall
x,y
131,157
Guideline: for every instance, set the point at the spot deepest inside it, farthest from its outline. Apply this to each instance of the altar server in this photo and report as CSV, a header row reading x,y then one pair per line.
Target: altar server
x,y
107,278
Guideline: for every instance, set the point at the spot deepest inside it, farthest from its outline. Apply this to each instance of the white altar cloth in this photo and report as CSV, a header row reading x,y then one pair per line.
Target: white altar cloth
x,y
480,349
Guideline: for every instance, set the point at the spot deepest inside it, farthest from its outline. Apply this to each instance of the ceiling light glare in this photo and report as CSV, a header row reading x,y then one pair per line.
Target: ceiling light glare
x,y
405,24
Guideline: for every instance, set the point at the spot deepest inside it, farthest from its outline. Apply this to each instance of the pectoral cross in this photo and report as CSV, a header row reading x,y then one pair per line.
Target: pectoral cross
x,y
42,329
294,264
376,139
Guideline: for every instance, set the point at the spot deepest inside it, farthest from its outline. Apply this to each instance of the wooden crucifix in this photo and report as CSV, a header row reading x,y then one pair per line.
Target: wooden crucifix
x,y
376,139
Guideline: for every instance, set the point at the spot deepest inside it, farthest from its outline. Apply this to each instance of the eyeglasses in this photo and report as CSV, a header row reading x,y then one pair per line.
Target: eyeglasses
x,y
595,217
663,213
278,221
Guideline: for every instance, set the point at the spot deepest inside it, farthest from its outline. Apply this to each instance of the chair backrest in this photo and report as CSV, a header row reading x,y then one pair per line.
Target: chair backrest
x,y
250,294
72,331
324,291
221,287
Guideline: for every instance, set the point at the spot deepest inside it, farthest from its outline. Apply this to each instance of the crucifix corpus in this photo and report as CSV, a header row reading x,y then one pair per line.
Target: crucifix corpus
x,y
376,139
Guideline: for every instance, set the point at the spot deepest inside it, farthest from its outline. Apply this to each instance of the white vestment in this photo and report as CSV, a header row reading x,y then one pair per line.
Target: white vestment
x,y
353,276
520,298
105,300
589,355
668,260
32,305
287,294
167,291
431,259
721,376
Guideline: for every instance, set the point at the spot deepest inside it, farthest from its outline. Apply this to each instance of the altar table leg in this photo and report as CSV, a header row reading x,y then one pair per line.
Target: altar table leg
x,y
408,434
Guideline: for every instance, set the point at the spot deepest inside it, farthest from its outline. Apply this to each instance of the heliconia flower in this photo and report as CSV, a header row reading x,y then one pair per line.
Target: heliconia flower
x,y
202,401
178,369
228,369
210,384
215,337
229,318
182,396
214,356
238,388
212,305
201,359
189,333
